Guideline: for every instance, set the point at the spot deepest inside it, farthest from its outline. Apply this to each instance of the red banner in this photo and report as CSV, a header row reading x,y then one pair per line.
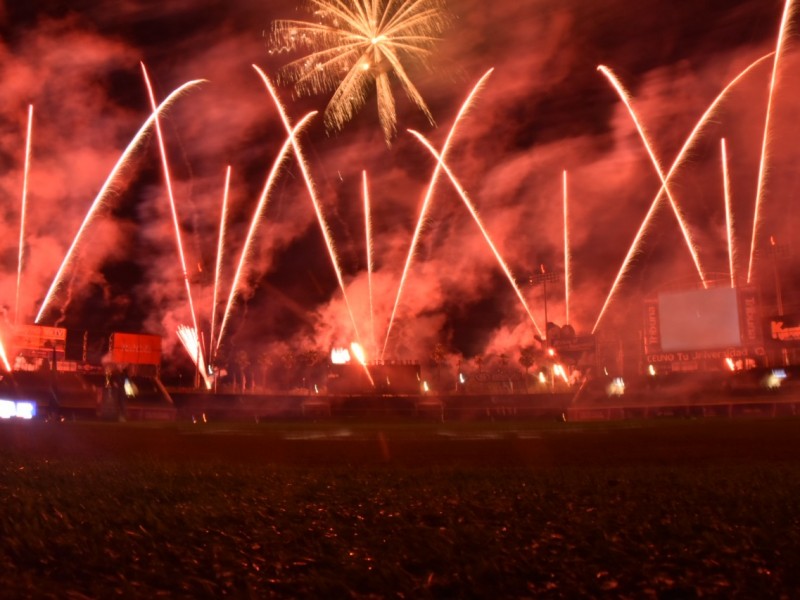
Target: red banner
x,y
135,349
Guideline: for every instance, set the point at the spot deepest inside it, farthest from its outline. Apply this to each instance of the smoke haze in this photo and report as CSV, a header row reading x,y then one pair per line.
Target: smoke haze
x,y
544,110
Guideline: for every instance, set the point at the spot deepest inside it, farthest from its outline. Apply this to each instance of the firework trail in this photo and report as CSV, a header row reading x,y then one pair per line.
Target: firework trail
x,y
301,161
726,183
361,357
367,40
427,200
474,213
567,265
704,119
190,341
23,209
168,181
681,221
67,301
368,230
4,356
254,222
762,165
223,219
100,198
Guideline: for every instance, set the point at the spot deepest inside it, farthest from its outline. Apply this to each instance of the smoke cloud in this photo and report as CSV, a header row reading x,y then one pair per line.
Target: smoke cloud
x,y
545,110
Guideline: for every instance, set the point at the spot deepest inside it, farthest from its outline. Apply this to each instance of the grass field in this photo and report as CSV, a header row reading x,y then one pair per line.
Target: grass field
x,y
661,509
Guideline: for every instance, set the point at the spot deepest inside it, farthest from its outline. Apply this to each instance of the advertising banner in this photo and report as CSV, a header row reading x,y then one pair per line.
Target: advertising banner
x,y
652,331
38,337
784,328
135,349
750,321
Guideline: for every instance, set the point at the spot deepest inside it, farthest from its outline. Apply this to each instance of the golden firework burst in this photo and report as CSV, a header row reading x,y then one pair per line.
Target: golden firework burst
x,y
352,43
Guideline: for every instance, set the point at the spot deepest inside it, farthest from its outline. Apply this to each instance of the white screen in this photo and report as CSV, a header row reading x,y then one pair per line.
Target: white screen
x,y
699,319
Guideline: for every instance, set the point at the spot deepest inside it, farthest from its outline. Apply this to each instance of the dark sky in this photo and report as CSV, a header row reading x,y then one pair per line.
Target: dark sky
x,y
544,109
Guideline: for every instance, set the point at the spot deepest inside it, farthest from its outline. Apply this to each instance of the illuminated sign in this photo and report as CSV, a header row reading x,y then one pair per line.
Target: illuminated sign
x,y
652,335
19,409
38,337
703,355
785,328
581,343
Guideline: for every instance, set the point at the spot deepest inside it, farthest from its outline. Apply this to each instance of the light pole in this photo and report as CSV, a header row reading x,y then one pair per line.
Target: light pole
x,y
543,276
777,251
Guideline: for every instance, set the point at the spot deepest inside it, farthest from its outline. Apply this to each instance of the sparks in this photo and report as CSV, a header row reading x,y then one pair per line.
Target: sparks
x,y
679,160
323,224
358,42
190,341
726,184
223,219
368,233
358,352
256,220
4,356
23,209
170,195
567,265
427,200
762,165
468,203
104,191
648,146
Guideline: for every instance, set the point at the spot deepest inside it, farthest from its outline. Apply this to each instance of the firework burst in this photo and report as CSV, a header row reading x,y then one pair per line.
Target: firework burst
x,y
353,44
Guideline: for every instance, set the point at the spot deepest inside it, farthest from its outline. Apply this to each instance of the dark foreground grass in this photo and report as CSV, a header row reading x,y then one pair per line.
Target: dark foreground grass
x,y
677,509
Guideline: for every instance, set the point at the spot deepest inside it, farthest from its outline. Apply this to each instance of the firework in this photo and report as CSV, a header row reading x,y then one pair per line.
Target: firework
x,y
170,195
681,221
23,209
254,222
355,43
220,241
105,189
427,200
762,165
323,224
704,119
190,341
468,203
726,183
4,356
567,273
368,231
358,352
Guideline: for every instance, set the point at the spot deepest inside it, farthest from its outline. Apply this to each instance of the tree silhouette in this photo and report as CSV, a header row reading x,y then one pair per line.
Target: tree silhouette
x,y
527,358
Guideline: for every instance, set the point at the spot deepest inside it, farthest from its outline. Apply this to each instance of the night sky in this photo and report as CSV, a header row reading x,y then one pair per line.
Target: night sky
x,y
544,109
